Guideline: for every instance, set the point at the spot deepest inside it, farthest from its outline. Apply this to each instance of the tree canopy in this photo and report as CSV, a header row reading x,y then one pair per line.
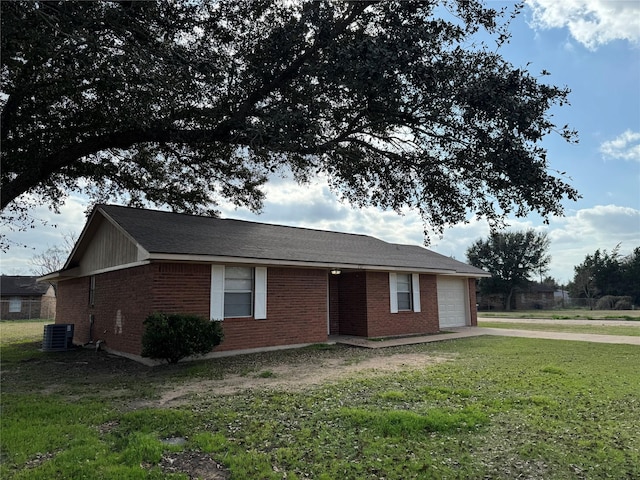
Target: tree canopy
x,y
607,274
512,258
188,103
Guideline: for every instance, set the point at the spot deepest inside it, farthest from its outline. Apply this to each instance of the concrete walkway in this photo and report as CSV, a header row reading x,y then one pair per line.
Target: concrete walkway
x,y
464,332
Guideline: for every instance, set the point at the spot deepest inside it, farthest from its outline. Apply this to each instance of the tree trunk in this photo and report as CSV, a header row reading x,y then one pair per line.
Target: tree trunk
x,y
507,302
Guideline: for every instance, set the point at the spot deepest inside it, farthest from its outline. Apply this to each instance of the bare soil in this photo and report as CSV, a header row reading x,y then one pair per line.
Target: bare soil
x,y
292,377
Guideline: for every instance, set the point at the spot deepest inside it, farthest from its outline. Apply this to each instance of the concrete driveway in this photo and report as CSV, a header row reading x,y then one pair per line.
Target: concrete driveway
x,y
463,332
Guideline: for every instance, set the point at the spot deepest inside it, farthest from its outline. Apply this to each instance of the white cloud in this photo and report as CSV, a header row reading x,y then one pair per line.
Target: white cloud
x,y
625,146
585,231
590,22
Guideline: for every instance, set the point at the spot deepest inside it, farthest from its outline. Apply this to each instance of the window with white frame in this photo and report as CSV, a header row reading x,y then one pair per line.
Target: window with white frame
x,y
404,292
15,305
238,292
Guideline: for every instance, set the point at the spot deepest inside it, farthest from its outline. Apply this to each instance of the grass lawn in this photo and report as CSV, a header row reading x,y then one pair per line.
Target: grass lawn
x,y
632,330
15,331
566,314
495,407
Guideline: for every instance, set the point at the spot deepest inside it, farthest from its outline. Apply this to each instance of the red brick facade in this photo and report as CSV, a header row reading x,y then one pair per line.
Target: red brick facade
x,y
122,300
296,312
364,307
298,308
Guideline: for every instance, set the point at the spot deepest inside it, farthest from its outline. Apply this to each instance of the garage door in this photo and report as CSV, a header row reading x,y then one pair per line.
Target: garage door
x,y
453,308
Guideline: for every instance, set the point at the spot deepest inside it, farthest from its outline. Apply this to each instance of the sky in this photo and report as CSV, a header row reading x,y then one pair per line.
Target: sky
x,y
590,46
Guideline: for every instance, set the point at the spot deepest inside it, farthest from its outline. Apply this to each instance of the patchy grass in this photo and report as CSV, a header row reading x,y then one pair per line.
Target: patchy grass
x,y
566,314
501,408
633,331
19,331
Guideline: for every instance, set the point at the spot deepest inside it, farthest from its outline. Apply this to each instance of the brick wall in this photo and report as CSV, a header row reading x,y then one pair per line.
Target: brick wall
x,y
296,305
181,288
122,301
382,323
296,312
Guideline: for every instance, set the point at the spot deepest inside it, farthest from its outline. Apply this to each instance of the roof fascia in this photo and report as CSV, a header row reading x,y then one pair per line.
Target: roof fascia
x,y
291,263
54,277
75,272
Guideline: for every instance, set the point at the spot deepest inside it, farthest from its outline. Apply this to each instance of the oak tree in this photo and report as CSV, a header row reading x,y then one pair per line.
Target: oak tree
x,y
512,258
189,103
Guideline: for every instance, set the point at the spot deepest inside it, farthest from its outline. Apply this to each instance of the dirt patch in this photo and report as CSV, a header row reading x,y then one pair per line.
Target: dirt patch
x,y
195,465
294,377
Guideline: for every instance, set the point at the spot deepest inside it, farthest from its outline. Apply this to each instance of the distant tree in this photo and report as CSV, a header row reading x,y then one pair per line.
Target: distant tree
x,y
607,274
512,258
186,103
631,275
53,258
584,284
604,271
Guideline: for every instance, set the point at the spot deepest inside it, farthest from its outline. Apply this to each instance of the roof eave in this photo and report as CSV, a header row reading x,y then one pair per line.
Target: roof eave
x,y
55,277
176,257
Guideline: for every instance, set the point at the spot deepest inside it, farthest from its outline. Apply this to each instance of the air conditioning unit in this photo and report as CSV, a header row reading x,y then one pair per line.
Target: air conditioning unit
x,y
57,337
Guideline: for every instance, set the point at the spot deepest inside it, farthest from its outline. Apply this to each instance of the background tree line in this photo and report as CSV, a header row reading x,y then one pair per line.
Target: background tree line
x,y
516,260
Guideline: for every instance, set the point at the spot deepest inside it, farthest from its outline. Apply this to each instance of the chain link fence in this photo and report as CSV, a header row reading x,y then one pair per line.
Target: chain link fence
x,y
27,308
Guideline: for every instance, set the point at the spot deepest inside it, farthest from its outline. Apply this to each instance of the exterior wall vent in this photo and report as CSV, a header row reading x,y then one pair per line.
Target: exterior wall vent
x,y
57,337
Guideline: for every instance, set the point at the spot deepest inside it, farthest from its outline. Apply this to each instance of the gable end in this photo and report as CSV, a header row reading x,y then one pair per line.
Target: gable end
x,y
109,247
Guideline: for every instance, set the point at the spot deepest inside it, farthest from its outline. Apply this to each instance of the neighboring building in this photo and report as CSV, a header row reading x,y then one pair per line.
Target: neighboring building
x,y
25,298
535,297
270,285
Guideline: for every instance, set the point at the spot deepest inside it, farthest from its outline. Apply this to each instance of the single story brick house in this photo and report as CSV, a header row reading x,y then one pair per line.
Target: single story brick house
x,y
271,286
23,297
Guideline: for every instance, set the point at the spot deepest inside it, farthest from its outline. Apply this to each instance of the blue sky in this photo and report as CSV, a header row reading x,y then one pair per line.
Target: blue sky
x,y
591,46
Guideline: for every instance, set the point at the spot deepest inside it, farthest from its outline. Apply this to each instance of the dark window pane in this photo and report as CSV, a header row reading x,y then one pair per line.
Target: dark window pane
x,y
237,304
404,301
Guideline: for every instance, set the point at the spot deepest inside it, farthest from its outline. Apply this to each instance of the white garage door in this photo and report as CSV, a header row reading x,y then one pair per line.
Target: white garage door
x,y
453,308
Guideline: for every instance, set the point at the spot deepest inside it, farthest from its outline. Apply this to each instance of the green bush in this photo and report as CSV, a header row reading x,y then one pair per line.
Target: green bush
x,y
172,337
614,302
625,303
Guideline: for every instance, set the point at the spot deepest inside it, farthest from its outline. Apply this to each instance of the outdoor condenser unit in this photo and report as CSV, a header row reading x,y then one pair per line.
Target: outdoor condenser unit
x,y
57,337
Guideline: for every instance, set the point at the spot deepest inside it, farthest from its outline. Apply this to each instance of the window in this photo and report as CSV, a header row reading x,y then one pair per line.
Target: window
x,y
404,291
238,292
92,290
15,305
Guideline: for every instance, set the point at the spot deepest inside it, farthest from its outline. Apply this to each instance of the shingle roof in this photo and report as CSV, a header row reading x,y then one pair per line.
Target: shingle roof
x,y
22,286
161,232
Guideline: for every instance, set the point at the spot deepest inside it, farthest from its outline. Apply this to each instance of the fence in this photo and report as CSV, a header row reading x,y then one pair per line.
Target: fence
x,y
27,308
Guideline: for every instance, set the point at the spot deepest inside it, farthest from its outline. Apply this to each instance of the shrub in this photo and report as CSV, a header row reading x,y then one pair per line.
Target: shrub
x,y
172,337
613,302
624,303
606,302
